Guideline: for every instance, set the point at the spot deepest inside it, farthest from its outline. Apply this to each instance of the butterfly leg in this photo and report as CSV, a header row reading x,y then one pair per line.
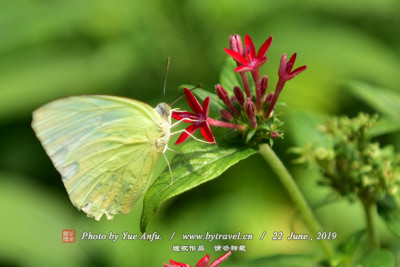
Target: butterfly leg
x,y
169,167
195,138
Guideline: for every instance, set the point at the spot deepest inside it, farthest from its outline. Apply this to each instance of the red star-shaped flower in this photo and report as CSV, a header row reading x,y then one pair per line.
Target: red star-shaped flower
x,y
252,61
176,264
285,68
198,118
202,262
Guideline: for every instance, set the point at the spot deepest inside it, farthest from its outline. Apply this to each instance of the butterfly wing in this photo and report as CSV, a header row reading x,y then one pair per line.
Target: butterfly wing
x,y
105,148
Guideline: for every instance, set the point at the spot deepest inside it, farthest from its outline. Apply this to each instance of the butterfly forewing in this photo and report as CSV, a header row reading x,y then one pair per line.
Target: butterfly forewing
x,y
104,147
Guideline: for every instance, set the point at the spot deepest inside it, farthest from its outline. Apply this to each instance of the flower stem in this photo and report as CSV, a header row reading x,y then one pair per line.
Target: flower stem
x,y
224,124
297,197
246,84
369,207
278,89
256,77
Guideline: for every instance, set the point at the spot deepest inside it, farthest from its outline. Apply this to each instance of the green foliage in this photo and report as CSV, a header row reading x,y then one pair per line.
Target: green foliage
x,y
351,163
378,258
344,254
196,163
382,100
356,167
388,209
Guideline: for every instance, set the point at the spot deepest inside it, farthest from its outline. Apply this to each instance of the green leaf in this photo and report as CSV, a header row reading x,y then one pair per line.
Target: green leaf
x,y
378,258
383,100
198,163
228,78
384,125
302,126
282,261
390,214
345,250
27,202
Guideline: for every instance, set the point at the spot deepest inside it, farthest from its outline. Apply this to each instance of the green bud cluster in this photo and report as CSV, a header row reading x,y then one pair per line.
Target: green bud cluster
x,y
352,164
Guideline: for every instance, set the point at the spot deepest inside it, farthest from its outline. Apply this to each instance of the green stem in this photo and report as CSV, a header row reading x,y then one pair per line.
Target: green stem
x,y
298,198
369,207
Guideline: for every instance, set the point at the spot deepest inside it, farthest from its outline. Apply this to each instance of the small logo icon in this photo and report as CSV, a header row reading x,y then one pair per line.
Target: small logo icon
x,y
68,236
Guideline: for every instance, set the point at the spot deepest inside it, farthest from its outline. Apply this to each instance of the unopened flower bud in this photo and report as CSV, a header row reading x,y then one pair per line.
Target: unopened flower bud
x,y
223,95
235,43
226,115
250,112
264,85
269,98
221,92
274,135
239,95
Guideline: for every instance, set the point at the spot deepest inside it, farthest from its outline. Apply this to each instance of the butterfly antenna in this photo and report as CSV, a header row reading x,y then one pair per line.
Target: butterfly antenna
x,y
191,89
165,78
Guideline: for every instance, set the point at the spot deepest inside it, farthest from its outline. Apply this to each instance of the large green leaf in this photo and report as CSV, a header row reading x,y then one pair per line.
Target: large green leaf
x,y
198,163
346,249
228,78
390,214
384,125
378,258
383,100
31,224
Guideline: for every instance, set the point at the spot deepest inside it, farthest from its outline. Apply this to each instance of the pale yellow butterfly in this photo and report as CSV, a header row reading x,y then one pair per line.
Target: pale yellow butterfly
x,y
105,148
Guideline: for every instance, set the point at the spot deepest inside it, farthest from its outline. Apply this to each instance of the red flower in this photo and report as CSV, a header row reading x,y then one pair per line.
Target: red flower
x,y
252,61
176,264
202,262
198,118
285,68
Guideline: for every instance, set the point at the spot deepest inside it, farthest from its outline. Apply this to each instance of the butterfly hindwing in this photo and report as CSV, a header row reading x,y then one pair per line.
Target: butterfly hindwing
x,y
104,147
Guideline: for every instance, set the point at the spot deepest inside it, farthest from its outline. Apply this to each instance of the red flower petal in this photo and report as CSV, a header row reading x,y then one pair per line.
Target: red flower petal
x,y
206,106
182,115
193,102
299,69
207,134
220,259
176,264
236,56
264,48
185,135
250,49
204,261
260,62
242,68
291,62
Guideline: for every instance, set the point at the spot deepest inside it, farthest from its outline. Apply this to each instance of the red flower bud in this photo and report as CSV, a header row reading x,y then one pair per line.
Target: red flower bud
x,y
239,95
264,85
269,98
235,44
226,115
274,135
223,95
250,112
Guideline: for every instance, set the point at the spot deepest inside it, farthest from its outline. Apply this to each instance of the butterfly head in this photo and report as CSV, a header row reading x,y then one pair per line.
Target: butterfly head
x,y
164,110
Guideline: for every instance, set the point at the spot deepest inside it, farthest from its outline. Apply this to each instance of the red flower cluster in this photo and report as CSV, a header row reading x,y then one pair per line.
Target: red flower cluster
x,y
244,109
202,262
248,60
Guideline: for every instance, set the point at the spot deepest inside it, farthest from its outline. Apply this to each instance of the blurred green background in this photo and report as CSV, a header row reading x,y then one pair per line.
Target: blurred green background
x,y
51,49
